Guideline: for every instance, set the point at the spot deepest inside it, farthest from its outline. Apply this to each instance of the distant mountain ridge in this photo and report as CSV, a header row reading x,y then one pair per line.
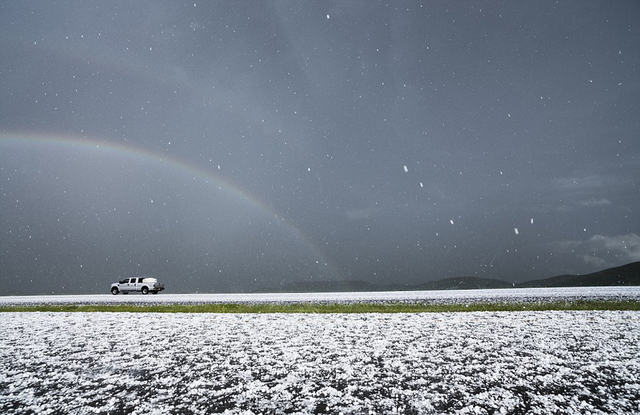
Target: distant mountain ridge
x,y
624,275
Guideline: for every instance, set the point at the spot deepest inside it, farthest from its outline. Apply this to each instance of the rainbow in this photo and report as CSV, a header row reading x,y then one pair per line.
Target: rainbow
x,y
23,140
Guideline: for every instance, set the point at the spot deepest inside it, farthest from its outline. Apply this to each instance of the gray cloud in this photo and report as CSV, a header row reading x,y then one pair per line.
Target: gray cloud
x,y
365,213
500,112
624,247
595,202
602,251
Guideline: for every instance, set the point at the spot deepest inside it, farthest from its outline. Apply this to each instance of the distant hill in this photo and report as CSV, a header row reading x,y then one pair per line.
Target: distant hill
x,y
463,283
326,286
460,283
624,275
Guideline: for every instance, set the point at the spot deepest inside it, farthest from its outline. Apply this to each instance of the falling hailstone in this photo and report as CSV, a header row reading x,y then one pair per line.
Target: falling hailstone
x,y
406,169
451,221
516,231
421,185
532,221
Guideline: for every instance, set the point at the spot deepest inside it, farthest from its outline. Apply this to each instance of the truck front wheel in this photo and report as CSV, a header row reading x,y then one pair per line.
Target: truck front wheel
x,y
114,290
145,290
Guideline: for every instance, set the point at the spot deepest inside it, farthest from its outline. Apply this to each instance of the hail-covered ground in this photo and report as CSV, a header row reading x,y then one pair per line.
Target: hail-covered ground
x,y
437,296
475,363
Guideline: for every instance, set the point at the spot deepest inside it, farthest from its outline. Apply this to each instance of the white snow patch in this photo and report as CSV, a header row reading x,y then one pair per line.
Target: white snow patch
x,y
506,362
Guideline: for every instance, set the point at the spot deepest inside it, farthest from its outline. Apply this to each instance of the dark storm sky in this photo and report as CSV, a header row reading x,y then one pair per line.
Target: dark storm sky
x,y
232,145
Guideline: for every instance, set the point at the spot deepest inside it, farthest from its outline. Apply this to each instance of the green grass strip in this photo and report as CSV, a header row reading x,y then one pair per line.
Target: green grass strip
x,y
322,308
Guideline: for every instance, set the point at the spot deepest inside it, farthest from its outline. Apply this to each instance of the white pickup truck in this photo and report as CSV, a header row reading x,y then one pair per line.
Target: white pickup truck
x,y
144,285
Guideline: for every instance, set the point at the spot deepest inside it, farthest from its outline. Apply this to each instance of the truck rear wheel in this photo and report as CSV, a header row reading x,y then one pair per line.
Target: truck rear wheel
x,y
145,290
115,291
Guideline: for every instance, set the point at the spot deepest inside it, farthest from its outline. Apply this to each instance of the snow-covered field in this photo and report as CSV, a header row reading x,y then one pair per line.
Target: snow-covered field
x,y
475,363
440,296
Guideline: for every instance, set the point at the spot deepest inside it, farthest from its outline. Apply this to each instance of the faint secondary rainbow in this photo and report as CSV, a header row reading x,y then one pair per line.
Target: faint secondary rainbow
x,y
22,140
